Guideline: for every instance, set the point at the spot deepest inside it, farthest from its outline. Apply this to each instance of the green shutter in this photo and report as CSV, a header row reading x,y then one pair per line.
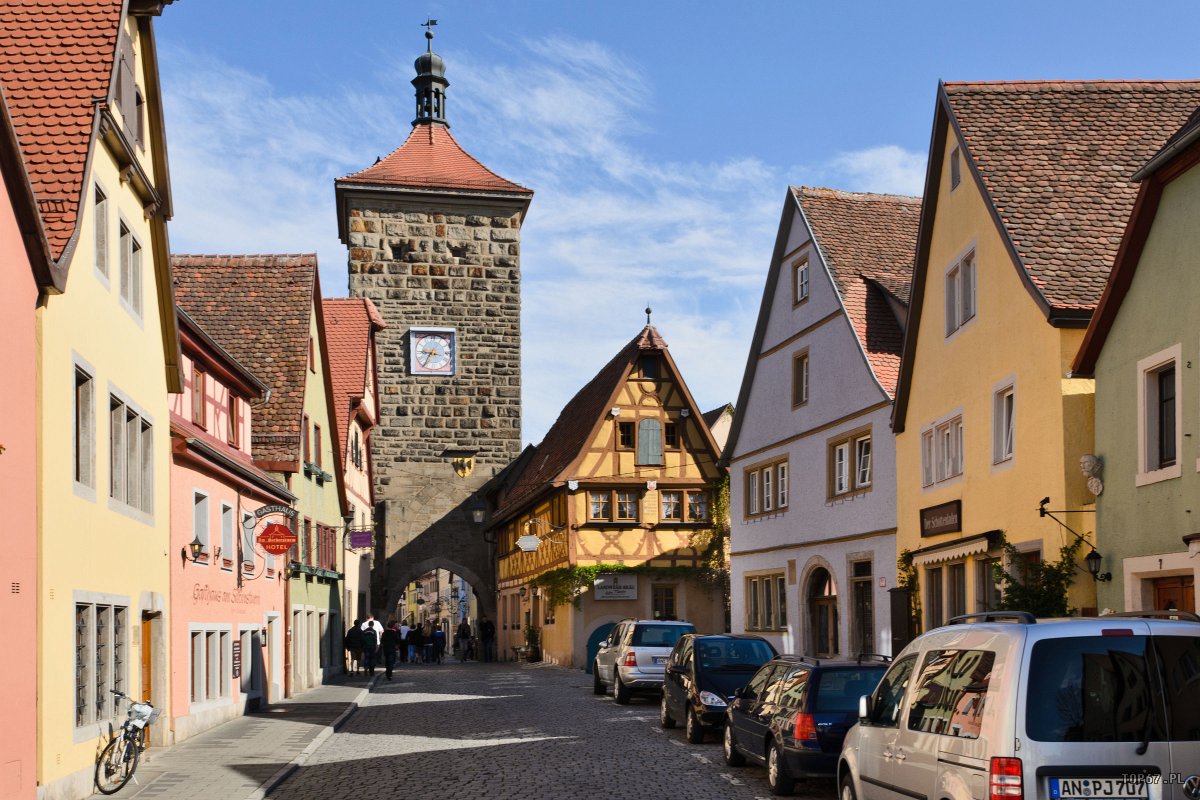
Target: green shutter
x,y
649,442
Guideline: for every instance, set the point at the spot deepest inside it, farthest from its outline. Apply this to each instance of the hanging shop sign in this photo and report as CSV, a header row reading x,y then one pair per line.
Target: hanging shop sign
x,y
276,539
943,518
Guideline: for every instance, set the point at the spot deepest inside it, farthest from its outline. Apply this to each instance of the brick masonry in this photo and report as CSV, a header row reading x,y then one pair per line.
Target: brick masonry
x,y
439,260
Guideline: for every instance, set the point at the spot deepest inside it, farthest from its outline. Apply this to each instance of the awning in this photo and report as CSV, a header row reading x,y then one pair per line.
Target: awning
x,y
955,550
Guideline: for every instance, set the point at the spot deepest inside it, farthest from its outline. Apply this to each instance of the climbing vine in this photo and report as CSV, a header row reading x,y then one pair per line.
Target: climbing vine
x,y
1039,588
907,578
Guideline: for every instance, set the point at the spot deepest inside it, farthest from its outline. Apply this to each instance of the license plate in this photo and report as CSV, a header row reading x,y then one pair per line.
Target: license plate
x,y
659,660
1091,788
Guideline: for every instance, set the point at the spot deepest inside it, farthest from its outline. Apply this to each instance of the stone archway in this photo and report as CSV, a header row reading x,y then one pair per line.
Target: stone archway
x,y
398,579
821,633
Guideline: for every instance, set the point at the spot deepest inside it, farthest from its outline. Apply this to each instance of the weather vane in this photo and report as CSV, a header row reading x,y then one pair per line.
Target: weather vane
x,y
428,26
647,313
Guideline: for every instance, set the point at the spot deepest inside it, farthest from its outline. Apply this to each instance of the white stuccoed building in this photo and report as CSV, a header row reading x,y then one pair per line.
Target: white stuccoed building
x,y
811,454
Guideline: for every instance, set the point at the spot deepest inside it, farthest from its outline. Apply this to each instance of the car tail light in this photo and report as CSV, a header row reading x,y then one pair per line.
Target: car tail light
x,y
630,659
1005,779
806,728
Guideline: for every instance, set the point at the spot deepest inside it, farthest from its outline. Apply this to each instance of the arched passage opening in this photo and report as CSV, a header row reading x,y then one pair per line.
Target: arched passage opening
x,y
822,613
442,595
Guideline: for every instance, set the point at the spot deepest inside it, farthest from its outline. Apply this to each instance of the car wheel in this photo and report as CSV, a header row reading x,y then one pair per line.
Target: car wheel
x,y
620,692
732,757
598,686
695,731
847,792
777,775
664,714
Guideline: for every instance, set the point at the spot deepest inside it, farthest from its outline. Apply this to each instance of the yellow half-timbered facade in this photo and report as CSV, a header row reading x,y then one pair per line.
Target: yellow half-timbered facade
x,y
614,508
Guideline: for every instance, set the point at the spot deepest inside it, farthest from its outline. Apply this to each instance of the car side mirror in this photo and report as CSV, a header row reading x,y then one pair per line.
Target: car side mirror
x,y
740,692
864,708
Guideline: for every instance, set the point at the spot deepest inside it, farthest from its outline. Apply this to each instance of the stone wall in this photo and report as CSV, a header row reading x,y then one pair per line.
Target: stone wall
x,y
431,261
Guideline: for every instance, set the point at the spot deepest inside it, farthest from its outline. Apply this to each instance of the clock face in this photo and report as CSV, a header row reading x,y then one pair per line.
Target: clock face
x,y
432,352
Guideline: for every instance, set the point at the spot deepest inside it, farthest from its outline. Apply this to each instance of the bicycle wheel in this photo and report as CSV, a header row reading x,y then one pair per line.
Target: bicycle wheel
x,y
116,765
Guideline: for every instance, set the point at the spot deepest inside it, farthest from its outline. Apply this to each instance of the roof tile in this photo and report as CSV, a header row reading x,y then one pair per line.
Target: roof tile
x,y
349,323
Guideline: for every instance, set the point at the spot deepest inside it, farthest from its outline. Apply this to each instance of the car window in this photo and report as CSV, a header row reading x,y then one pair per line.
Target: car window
x,y
759,682
838,689
951,692
885,703
1092,689
794,689
733,655
775,684
1180,657
659,635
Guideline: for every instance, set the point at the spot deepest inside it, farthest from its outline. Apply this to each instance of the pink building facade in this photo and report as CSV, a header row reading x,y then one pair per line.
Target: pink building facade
x,y
25,257
228,597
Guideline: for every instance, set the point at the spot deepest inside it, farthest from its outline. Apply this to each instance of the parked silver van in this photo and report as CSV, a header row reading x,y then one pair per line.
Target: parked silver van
x,y
1003,706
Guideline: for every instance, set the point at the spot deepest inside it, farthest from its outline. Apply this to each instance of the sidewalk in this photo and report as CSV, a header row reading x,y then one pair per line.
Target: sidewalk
x,y
246,757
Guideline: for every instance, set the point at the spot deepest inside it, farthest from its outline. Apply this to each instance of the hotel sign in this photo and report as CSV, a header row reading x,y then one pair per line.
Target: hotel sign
x,y
944,518
616,586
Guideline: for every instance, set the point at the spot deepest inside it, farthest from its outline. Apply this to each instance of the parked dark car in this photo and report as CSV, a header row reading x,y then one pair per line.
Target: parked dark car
x,y
794,713
702,674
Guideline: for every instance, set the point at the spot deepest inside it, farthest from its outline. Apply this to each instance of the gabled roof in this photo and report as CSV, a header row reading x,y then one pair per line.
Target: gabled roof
x,y
431,158
1054,161
56,62
866,242
711,417
866,239
24,204
1178,156
576,426
349,325
258,307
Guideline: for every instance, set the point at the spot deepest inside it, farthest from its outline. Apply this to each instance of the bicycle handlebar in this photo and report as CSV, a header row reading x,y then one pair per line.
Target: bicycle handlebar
x,y
124,696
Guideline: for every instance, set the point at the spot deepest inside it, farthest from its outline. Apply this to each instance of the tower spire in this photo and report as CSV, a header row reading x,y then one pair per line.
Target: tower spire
x,y
430,83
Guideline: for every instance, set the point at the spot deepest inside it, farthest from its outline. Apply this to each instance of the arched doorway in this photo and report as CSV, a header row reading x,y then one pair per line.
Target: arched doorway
x,y
822,614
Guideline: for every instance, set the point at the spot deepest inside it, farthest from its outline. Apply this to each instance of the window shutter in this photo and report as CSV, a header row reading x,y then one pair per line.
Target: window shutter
x,y
649,442
126,85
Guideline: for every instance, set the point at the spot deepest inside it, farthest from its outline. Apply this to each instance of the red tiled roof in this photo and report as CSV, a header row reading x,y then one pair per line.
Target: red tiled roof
x,y
56,61
432,158
1057,158
187,429
348,326
569,434
259,309
867,239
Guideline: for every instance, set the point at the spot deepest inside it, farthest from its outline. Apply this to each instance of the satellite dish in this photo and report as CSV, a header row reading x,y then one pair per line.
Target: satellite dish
x,y
528,543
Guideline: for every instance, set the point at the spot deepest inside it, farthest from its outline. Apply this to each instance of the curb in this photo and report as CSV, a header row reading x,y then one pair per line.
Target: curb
x,y
286,770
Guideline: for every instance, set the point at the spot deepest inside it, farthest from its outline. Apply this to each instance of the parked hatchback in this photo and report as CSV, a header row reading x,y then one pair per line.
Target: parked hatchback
x,y
794,713
634,656
702,674
1005,705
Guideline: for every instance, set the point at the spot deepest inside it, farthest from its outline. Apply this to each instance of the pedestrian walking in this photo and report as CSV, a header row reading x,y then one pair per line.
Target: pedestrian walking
x,y
439,644
415,644
372,633
487,634
352,641
405,630
463,634
427,641
390,643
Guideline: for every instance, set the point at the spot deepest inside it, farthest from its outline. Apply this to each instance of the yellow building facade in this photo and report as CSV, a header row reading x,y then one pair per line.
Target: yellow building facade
x,y
109,354
626,478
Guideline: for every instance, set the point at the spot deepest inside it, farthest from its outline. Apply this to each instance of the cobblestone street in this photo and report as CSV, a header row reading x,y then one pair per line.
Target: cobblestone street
x,y
513,730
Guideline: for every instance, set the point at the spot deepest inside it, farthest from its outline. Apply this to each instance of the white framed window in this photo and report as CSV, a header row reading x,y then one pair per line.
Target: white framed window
x,y
752,491
101,659
766,602
211,664
100,233
131,457
248,542
200,519
1159,416
800,280
131,269
766,488
849,463
960,293
768,497
227,553
800,384
1004,424
781,476
85,429
942,451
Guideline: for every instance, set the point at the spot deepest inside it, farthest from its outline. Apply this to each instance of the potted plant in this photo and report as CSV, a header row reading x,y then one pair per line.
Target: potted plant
x,y
533,643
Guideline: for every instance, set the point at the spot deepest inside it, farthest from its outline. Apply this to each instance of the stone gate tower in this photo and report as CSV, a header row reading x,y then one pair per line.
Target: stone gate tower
x,y
434,240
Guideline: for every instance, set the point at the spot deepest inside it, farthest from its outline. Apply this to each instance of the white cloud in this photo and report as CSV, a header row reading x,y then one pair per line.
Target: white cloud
x,y
611,228
887,169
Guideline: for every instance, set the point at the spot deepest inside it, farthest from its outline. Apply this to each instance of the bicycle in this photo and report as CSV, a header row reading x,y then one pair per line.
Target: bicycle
x,y
119,758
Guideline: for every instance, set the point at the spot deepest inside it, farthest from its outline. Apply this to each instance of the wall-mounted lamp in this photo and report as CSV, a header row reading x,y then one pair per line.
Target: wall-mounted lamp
x,y
194,549
1093,560
478,509
523,591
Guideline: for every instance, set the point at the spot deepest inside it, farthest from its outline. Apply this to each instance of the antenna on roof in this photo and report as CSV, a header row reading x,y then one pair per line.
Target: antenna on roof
x,y
648,311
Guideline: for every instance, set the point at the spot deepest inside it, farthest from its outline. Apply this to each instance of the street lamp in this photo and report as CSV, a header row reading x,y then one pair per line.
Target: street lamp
x,y
1093,560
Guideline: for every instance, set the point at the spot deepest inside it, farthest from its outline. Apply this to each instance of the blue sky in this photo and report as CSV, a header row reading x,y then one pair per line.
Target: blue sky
x,y
659,137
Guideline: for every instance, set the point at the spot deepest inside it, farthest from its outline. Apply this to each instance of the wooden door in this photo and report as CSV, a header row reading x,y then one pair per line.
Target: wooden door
x,y
147,658
1176,593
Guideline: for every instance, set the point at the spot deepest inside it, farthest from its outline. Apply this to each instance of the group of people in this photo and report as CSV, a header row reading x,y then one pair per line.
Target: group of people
x,y
370,644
